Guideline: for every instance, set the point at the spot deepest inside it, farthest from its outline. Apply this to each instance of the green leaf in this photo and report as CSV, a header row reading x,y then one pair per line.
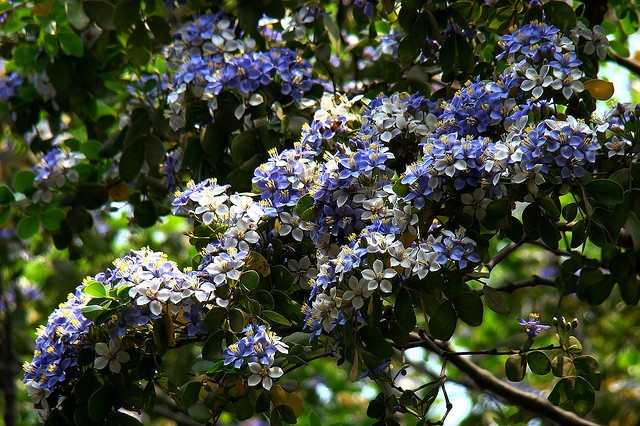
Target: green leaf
x,y
442,322
149,396
403,309
303,204
50,44
562,393
160,29
515,367
578,234
407,49
629,20
470,308
95,289
132,159
212,347
560,15
23,180
243,146
154,152
584,397
6,195
605,191
91,195
101,12
139,46
91,311
250,279
258,263
51,219
236,320
28,227
561,365
101,403
199,412
70,42
447,55
588,367
127,12
76,14
5,213
145,214
25,54
495,301
190,393
282,277
630,291
287,413
400,189
539,362
570,211
500,18
215,318
549,233
275,318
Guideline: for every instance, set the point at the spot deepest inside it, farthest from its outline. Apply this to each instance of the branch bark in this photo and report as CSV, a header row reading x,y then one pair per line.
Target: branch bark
x,y
630,64
9,358
488,382
534,281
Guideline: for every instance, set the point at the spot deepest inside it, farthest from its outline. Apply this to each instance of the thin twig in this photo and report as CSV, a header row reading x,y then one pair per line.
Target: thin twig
x,y
486,381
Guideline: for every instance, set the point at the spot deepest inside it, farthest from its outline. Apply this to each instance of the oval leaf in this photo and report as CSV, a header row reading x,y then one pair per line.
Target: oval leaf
x,y
442,322
515,367
538,362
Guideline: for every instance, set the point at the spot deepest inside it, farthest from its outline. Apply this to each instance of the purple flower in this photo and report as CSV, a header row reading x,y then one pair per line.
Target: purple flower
x,y
533,326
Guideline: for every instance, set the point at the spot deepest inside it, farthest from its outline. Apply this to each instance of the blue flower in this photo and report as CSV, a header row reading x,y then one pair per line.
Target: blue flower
x,y
533,326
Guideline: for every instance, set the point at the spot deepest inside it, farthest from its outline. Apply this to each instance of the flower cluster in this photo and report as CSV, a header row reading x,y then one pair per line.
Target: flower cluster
x,y
56,354
234,219
10,86
211,56
258,348
54,169
292,26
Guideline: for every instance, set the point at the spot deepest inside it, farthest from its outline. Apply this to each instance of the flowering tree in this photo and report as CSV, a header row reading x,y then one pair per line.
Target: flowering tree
x,y
379,187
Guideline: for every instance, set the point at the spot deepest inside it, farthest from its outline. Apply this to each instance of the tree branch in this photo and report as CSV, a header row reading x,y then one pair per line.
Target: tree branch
x,y
534,281
502,254
630,64
9,359
488,382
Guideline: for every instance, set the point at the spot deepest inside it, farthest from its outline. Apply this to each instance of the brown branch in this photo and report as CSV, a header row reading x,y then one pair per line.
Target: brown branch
x,y
9,360
488,382
630,64
534,281
503,254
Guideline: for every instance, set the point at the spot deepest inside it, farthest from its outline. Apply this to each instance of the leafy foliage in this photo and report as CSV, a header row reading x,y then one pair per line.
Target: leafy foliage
x,y
360,179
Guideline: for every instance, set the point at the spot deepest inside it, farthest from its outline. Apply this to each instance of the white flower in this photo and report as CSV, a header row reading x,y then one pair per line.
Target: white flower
x,y
149,293
617,146
568,82
290,224
359,290
476,203
37,394
302,271
110,354
536,82
378,277
263,374
533,177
